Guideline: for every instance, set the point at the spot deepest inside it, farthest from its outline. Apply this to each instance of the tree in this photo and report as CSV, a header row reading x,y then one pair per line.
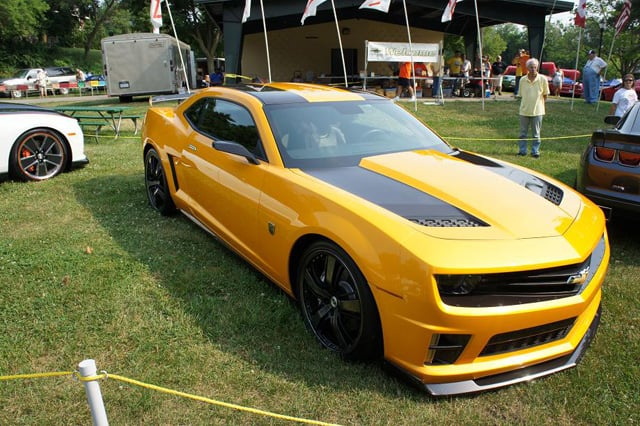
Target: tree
x,y
196,26
21,19
514,37
492,43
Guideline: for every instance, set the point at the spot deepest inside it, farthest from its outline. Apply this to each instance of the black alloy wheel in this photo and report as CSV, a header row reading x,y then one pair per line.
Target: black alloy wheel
x,y
337,304
156,183
38,154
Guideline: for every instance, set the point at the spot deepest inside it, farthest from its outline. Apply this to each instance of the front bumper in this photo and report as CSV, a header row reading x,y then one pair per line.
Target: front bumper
x,y
517,376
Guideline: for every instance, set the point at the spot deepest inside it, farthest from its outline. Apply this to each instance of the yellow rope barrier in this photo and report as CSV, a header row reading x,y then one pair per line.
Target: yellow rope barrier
x,y
105,375
36,375
513,139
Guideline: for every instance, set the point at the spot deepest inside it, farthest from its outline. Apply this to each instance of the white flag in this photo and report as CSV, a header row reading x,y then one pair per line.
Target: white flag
x,y
581,14
247,11
310,9
448,11
381,5
155,12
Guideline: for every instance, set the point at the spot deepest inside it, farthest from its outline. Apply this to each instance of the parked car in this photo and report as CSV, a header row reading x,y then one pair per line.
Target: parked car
x,y
38,143
58,75
610,87
508,82
20,82
548,69
393,242
569,86
24,81
95,82
609,171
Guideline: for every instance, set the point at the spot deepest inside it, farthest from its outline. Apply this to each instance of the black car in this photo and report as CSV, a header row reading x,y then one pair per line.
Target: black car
x,y
609,171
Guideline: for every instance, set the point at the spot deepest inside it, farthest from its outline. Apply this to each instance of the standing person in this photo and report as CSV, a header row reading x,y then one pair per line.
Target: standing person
x,y
533,90
625,97
486,73
520,61
557,83
80,76
497,69
466,67
438,68
455,69
455,64
591,77
41,79
404,81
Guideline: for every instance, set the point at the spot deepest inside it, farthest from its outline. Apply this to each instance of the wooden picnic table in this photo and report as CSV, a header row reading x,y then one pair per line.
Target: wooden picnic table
x,y
111,115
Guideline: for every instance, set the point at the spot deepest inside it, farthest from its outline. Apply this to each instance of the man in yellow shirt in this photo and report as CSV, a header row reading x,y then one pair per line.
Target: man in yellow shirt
x,y
533,90
455,64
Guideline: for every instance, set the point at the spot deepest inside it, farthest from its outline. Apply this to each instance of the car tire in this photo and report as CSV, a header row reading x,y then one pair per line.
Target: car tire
x,y
64,91
337,304
16,93
38,154
155,180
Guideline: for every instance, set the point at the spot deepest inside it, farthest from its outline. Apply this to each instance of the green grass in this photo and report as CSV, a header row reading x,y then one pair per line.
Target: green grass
x,y
88,270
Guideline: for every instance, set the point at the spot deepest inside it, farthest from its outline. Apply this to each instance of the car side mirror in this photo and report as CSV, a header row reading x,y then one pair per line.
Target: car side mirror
x,y
236,149
612,119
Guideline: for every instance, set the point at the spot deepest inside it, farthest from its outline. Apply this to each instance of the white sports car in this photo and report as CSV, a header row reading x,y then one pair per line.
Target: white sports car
x,y
38,143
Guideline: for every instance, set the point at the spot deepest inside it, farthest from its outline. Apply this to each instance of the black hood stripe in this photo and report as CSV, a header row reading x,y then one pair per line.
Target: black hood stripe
x,y
390,194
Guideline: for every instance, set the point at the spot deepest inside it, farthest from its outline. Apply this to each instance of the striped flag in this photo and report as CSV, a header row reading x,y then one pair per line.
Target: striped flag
x,y
381,5
447,15
247,11
310,9
625,16
155,13
581,14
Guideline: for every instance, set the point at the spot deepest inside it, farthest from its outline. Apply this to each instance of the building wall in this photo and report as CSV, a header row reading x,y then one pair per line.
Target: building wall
x,y
307,48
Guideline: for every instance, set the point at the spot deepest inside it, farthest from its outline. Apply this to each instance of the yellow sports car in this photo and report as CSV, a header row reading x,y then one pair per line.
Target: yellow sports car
x,y
464,272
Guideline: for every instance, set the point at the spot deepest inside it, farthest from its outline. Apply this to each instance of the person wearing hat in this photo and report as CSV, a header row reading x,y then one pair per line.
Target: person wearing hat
x,y
591,77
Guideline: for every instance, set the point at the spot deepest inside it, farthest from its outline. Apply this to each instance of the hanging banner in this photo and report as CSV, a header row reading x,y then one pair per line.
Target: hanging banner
x,y
379,51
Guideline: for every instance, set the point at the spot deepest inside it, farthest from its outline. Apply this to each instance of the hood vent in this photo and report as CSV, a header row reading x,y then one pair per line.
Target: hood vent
x,y
448,222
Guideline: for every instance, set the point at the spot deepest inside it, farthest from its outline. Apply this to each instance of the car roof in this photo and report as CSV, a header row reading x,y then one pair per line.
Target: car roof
x,y
285,93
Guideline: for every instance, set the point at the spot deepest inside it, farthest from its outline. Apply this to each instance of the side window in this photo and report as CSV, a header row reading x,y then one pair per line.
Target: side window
x,y
224,120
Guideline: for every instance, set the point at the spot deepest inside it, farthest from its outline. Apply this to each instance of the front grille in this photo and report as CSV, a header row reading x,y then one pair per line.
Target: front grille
x,y
515,288
527,338
448,222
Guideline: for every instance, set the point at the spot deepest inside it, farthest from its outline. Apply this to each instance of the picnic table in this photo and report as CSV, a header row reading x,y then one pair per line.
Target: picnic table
x,y
100,116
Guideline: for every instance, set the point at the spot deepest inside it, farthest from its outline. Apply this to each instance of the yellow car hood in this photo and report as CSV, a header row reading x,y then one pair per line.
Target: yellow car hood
x,y
505,202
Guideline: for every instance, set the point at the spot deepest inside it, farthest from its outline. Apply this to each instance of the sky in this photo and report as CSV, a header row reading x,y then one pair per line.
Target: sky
x,y
566,17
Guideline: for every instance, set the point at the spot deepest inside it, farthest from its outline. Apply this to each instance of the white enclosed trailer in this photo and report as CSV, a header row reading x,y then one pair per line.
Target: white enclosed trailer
x,y
140,64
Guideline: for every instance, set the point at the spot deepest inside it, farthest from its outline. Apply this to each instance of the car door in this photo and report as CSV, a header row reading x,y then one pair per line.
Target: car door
x,y
224,188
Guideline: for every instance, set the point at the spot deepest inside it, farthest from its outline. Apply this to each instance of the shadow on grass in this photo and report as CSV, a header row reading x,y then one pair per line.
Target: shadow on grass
x,y
238,309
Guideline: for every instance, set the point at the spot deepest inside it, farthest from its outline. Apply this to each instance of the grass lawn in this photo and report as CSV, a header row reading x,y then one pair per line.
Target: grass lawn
x,y
88,270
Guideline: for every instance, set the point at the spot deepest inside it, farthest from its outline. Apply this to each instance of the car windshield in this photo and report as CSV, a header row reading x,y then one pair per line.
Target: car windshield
x,y
333,134
20,73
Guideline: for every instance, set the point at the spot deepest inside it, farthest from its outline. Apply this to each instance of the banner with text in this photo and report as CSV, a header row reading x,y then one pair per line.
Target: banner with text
x,y
379,51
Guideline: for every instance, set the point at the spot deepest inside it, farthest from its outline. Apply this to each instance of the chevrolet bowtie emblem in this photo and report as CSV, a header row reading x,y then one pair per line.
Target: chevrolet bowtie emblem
x,y
579,278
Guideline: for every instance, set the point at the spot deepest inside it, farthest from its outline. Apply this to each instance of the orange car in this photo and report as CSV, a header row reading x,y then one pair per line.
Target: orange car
x,y
464,272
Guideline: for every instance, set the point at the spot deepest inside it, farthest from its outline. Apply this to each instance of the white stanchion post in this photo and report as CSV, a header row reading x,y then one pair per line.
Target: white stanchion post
x,y
88,368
